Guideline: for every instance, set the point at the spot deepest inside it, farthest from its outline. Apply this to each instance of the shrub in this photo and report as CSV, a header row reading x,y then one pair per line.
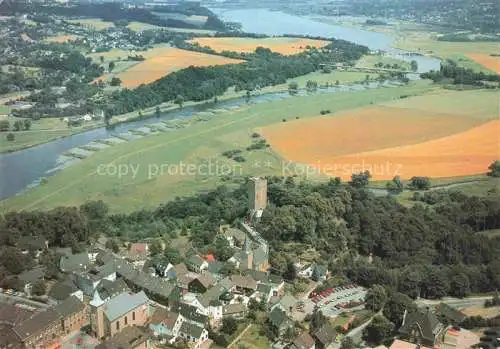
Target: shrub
x,y
10,137
261,144
231,153
239,158
420,183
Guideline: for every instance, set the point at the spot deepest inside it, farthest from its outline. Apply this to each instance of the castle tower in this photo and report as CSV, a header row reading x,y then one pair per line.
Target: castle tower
x,y
257,194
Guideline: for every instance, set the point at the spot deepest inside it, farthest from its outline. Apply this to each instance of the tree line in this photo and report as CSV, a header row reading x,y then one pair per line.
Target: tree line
x,y
450,71
263,68
115,12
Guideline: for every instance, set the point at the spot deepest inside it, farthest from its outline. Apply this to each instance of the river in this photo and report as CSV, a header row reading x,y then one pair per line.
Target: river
x,y
24,168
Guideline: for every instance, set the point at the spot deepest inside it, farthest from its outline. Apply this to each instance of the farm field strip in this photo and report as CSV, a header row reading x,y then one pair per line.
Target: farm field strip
x,y
461,154
286,46
490,62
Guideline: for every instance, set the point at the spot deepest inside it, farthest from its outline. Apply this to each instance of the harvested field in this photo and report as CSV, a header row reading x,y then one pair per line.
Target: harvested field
x,y
481,311
61,38
164,61
461,154
431,144
95,23
490,62
359,131
285,46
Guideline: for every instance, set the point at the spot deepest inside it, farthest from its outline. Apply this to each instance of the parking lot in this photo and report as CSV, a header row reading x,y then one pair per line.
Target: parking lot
x,y
334,301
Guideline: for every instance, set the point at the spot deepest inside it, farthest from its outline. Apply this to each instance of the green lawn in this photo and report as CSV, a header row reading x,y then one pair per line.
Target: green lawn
x,y
41,131
468,63
340,320
369,61
199,145
485,187
489,187
4,110
478,104
253,339
321,78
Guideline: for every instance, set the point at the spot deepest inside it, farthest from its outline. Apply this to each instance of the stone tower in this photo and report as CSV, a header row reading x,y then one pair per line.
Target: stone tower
x,y
257,194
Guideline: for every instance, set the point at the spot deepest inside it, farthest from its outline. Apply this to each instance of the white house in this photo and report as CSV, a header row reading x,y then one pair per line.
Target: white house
x,y
304,271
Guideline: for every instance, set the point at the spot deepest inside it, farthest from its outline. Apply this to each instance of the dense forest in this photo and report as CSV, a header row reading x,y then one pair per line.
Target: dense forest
x,y
114,12
431,249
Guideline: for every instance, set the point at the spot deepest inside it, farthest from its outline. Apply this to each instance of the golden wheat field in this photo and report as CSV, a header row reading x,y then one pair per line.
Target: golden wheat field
x,y
163,61
285,46
385,140
490,62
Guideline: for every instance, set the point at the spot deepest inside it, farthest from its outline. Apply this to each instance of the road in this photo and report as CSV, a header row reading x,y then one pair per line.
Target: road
x,y
239,336
456,302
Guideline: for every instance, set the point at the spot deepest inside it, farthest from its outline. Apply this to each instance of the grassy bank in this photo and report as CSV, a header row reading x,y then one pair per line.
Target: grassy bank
x,y
42,131
49,129
202,143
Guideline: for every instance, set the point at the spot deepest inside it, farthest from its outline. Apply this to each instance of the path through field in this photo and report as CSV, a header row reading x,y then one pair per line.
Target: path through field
x,y
239,336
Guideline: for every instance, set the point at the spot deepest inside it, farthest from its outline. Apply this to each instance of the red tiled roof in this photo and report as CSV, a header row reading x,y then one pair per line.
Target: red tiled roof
x,y
138,247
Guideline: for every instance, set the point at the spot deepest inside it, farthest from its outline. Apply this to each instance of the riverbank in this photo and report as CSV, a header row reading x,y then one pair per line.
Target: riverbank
x,y
421,39
154,164
45,130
